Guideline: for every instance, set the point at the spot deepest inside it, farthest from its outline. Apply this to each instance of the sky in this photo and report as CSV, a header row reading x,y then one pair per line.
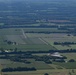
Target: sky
x,y
38,1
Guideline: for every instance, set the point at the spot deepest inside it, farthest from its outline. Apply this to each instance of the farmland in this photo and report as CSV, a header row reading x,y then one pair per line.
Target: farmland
x,y
21,39
34,39
42,67
42,72
37,37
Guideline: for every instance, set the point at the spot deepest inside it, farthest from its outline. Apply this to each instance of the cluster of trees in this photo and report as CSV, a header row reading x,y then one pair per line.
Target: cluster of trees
x,y
58,60
64,43
48,32
30,52
62,60
18,69
30,12
44,58
46,74
52,51
16,59
41,58
9,42
21,58
71,60
49,59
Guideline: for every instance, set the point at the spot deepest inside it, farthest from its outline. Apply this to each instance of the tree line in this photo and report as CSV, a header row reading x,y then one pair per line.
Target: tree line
x,y
64,43
18,69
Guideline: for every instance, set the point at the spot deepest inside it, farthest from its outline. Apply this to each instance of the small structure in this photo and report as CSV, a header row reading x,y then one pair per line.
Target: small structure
x,y
56,54
7,51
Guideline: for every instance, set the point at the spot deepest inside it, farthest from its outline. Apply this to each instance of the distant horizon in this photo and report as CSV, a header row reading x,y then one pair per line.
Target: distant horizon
x,y
38,0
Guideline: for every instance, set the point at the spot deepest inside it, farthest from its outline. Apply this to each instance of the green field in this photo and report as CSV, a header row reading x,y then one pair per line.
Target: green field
x,y
37,37
67,65
41,65
24,41
42,72
34,41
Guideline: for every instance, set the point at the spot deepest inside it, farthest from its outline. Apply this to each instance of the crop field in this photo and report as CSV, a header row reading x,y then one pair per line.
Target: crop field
x,y
69,55
43,30
16,38
67,65
56,68
42,72
55,37
31,34
23,40
63,65
10,31
34,41
39,65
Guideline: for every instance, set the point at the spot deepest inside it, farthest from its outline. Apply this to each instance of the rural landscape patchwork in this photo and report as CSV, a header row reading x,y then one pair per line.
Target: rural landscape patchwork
x,y
37,37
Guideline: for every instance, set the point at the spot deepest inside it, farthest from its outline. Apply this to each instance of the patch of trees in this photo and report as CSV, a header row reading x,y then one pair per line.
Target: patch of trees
x,y
64,43
71,60
3,57
59,60
10,42
18,69
41,58
52,51
46,32
64,51
20,60
48,62
25,55
46,74
16,59
47,59
30,52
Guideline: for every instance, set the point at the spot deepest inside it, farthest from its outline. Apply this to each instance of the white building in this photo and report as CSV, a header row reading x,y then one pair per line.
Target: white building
x,y
56,54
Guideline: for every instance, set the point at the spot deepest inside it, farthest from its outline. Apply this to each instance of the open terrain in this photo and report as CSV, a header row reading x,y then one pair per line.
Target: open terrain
x,y
42,72
20,39
31,31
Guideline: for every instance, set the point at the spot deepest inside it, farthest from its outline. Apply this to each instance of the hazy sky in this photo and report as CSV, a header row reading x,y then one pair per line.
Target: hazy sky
x,y
39,0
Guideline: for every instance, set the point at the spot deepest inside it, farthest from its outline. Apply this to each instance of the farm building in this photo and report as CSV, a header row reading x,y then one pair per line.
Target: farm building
x,y
56,54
